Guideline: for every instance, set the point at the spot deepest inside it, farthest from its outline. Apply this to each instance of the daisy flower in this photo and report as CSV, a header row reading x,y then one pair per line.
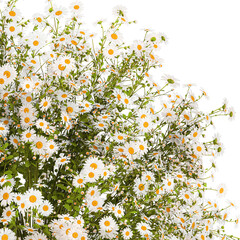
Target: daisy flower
x,y
114,37
27,85
45,208
8,213
169,115
11,29
39,145
22,207
28,135
51,147
9,72
33,197
42,124
93,191
3,81
15,140
79,181
145,125
142,147
94,203
105,174
119,137
130,150
76,8
221,190
148,176
6,196
7,234
62,95
107,223
199,149
127,233
71,108
139,47
94,163
62,159
65,118
168,184
87,106
36,40
3,129
45,103
110,51
91,174
59,12
143,228
27,108
27,120
119,211
39,221
140,187
79,220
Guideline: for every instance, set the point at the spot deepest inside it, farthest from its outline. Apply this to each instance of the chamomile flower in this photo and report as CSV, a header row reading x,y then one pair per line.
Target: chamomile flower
x,y
95,203
39,145
39,221
15,140
127,233
110,51
142,147
42,124
140,187
76,8
3,129
94,163
36,40
114,37
119,137
33,197
79,181
27,85
148,176
59,12
168,184
8,213
119,211
3,81
6,196
62,159
130,150
107,223
28,135
11,29
51,147
143,228
145,124
27,108
65,118
71,108
91,174
62,95
27,120
7,234
45,103
139,47
8,72
45,208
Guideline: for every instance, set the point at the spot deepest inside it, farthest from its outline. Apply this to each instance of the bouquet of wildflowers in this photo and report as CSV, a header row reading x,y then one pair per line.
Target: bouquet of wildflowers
x,y
91,145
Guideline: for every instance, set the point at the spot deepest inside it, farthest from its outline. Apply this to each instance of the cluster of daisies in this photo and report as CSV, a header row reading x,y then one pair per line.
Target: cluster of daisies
x,y
91,145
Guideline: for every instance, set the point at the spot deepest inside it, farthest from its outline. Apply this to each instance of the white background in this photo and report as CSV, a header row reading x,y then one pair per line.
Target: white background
x,y
203,48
